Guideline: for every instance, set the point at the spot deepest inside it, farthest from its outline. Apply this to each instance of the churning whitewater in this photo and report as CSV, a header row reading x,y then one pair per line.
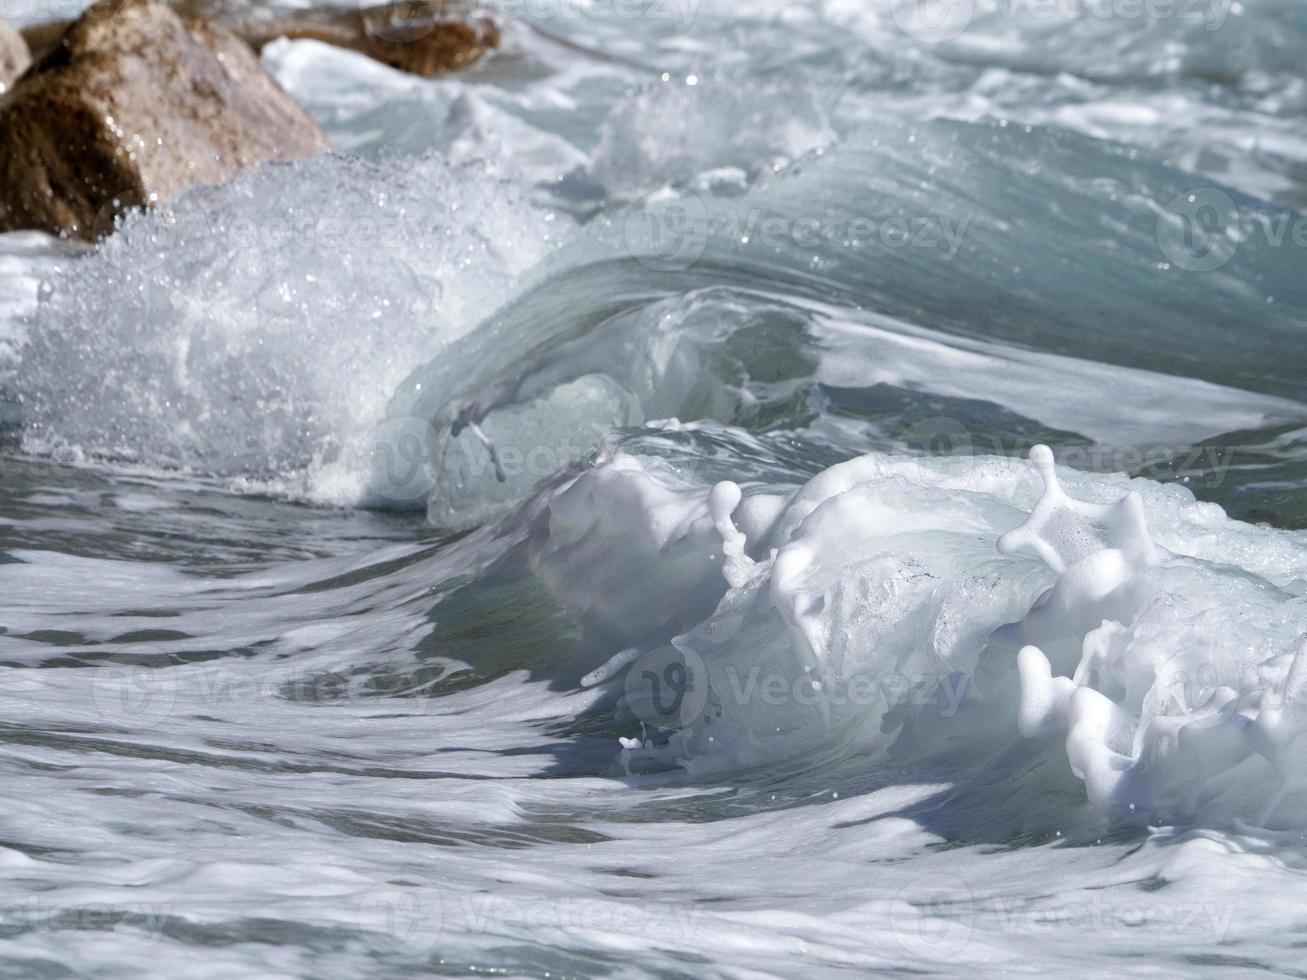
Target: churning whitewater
x,y
745,490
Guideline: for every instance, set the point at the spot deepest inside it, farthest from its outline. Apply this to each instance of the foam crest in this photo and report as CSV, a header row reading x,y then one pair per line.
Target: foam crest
x,y
869,613
1145,731
256,330
1064,531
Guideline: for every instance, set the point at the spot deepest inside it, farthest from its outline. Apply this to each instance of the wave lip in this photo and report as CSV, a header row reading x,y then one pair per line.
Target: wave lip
x,y
870,613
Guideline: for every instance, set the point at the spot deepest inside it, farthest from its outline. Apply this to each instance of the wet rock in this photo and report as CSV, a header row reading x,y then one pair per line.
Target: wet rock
x,y
14,56
42,37
132,106
424,37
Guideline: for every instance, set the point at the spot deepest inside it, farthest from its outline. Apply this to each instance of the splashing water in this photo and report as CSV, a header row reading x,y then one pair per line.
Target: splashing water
x,y
751,489
255,331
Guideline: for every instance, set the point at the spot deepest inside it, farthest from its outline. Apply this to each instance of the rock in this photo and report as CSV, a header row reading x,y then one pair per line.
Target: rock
x,y
41,38
14,56
425,37
133,106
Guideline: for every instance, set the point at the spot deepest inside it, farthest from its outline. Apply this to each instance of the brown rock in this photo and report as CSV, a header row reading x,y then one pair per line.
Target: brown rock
x,y
14,56
133,106
425,37
42,37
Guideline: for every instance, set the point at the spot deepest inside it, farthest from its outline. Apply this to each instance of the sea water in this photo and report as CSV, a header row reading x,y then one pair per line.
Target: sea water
x,y
765,489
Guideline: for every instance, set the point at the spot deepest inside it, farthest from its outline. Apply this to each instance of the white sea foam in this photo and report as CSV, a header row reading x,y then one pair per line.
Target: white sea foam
x,y
241,737
1169,658
682,127
256,330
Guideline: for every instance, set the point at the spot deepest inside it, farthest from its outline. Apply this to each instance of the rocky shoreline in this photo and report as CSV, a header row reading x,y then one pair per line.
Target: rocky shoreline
x,y
136,101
